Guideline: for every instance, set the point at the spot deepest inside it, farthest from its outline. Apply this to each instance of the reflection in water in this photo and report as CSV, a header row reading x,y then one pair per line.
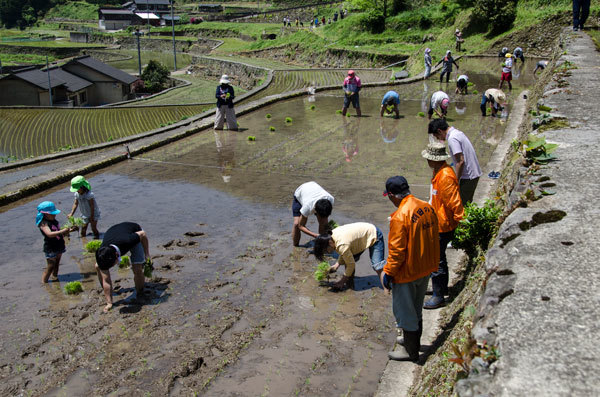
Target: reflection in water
x,y
350,140
425,97
460,106
389,129
225,141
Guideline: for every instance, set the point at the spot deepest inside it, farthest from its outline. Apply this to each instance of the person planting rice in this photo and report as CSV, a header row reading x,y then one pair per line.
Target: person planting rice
x,y
54,242
494,97
390,103
225,112
540,65
506,72
86,201
118,240
310,198
351,88
461,84
447,62
439,100
518,54
350,241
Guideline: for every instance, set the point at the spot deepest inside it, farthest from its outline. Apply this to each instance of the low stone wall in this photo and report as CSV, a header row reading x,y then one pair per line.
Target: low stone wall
x,y
330,58
242,75
58,52
193,46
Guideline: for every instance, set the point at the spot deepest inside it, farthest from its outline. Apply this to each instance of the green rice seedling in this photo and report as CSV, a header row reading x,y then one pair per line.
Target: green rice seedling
x,y
475,92
268,115
148,267
338,111
421,114
332,224
348,114
271,128
251,138
543,108
312,107
73,221
322,271
93,246
73,288
125,262
469,84
288,119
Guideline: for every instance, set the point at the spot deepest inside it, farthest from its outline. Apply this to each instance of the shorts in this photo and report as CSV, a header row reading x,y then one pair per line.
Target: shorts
x,y
296,206
137,254
53,254
506,76
353,99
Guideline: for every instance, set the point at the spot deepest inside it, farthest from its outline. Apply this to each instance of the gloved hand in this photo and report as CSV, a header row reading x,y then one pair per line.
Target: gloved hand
x,y
387,281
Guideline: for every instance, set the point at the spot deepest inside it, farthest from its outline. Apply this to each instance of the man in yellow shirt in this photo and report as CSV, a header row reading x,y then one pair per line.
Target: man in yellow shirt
x,y
445,200
413,254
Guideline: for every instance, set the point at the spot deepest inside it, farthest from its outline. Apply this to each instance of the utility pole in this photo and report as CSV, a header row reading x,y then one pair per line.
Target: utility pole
x,y
49,85
148,15
137,33
173,31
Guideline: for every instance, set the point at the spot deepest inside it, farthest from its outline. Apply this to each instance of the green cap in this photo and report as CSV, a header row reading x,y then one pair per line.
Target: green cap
x,y
78,182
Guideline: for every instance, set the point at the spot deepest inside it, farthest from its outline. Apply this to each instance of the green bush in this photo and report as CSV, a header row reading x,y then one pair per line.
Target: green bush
x,y
495,16
477,228
373,21
155,76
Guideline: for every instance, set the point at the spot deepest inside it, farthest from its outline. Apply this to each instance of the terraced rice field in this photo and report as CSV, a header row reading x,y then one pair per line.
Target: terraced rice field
x,y
34,132
290,80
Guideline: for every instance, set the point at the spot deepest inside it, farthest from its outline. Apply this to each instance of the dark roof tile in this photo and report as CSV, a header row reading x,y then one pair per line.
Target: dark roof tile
x,y
103,68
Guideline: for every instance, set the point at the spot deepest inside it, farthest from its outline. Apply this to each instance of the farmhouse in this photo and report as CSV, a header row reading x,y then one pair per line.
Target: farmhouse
x,y
109,83
114,19
83,81
137,12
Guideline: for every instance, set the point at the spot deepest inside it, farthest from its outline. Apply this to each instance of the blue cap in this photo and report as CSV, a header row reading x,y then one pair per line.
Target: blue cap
x,y
47,207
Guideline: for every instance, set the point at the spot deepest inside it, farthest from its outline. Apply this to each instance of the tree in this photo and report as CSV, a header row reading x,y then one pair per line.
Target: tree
x,y
28,15
155,76
495,16
10,12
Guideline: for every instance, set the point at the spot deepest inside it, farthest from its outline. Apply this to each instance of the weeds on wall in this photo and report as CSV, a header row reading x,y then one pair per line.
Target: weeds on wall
x,y
477,228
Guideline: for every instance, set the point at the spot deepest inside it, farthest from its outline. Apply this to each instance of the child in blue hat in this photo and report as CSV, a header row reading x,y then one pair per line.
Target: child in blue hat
x,y
86,201
54,242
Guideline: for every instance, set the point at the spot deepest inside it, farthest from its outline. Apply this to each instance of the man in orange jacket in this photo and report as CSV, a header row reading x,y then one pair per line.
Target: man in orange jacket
x,y
445,200
413,254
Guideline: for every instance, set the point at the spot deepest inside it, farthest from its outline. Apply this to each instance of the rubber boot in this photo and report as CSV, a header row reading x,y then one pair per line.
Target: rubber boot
x,y
400,339
410,350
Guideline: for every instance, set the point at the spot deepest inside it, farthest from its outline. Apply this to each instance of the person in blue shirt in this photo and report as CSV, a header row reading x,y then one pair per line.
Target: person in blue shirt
x,y
225,112
391,98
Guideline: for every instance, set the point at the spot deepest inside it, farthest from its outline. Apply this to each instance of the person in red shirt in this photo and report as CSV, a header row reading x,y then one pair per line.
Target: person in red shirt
x,y
351,86
413,254
445,200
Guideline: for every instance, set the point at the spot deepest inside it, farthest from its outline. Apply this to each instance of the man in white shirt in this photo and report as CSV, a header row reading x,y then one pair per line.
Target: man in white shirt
x,y
463,154
310,198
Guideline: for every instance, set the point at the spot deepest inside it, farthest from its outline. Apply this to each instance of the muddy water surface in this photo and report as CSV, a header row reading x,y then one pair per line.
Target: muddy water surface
x,y
232,308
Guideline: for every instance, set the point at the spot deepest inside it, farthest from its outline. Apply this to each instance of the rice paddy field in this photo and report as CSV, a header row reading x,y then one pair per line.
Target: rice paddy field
x,y
34,132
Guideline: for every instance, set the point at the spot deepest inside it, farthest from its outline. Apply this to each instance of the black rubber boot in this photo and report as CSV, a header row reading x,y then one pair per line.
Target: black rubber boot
x,y
410,350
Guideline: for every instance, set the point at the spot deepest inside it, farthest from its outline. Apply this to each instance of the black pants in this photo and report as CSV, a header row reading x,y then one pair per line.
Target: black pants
x,y
581,10
447,72
439,278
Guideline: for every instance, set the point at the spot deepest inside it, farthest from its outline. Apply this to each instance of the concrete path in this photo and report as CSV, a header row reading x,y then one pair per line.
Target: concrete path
x,y
541,306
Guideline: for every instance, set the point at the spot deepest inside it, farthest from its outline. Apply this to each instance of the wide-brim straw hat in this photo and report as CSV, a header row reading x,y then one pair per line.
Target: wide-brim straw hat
x,y
435,152
224,79
498,95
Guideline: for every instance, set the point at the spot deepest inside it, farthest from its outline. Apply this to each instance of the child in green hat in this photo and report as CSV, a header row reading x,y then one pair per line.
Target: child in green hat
x,y
86,201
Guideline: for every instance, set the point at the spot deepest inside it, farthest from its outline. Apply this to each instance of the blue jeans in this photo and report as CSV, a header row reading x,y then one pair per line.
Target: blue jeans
x,y
581,10
407,303
377,252
439,278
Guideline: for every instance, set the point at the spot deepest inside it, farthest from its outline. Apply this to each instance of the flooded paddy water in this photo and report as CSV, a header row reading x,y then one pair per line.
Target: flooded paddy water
x,y
232,308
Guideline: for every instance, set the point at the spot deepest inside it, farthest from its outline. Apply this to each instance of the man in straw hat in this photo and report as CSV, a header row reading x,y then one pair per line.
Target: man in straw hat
x,y
445,200
496,98
413,254
463,155
225,96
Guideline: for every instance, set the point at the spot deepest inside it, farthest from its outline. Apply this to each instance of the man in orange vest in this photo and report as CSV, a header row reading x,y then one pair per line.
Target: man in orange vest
x,y
445,200
413,254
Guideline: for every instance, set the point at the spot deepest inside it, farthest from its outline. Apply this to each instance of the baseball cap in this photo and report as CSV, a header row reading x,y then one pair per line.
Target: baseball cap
x,y
396,185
